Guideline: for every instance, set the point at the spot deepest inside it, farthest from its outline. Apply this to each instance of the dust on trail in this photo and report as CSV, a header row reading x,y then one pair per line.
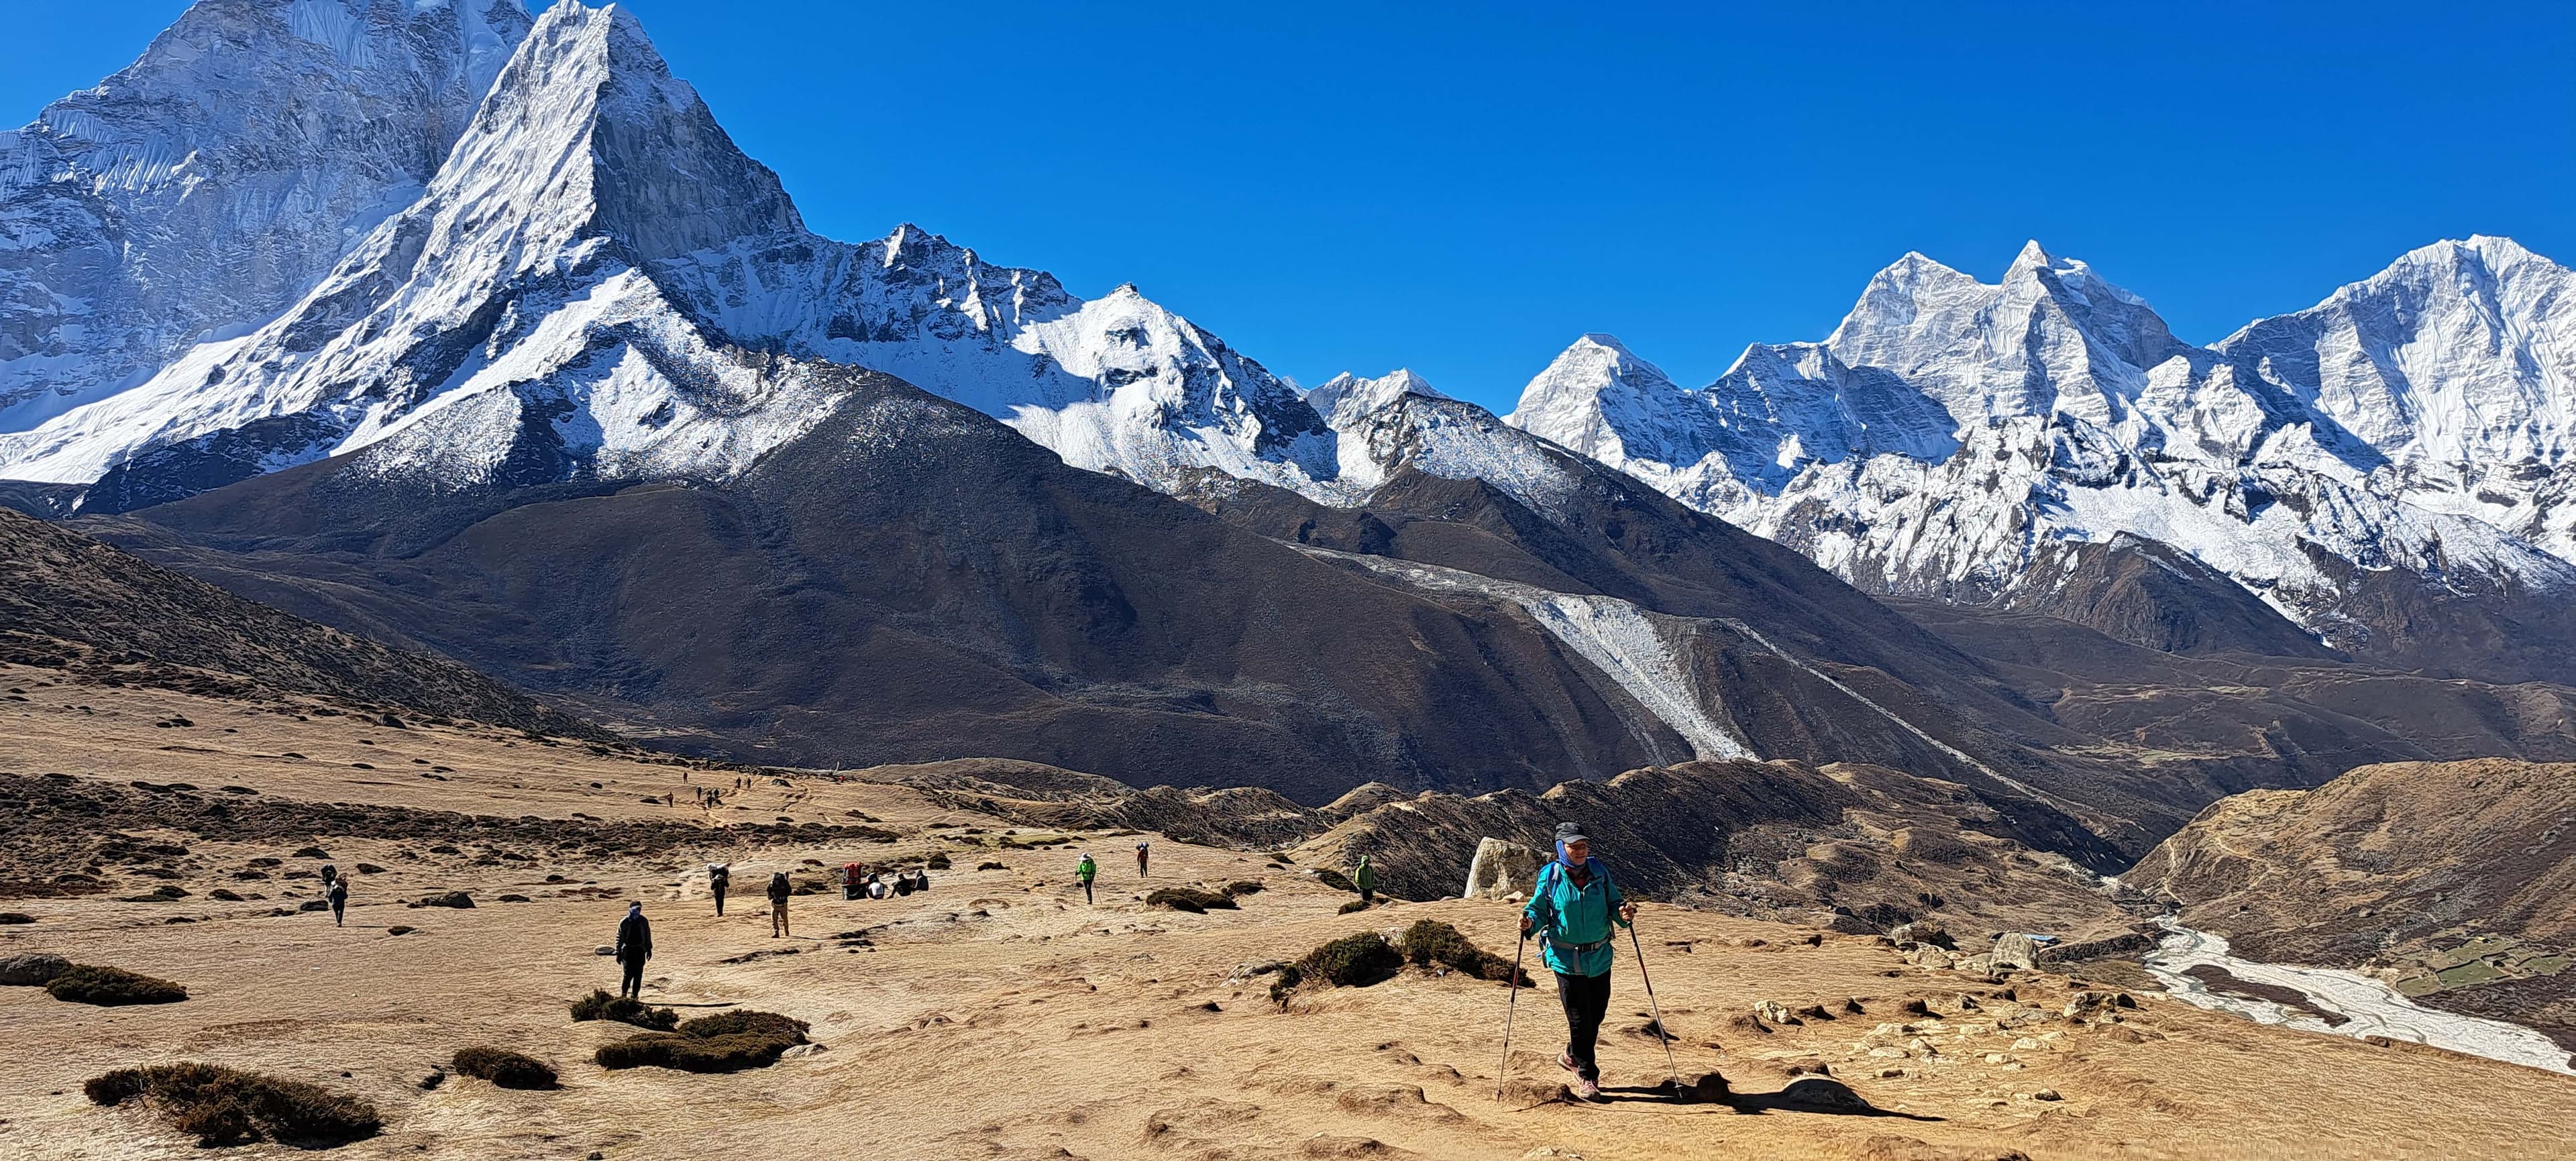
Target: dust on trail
x,y
997,1016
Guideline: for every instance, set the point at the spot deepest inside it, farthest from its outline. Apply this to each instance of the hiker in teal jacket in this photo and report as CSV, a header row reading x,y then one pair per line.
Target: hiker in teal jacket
x,y
1571,910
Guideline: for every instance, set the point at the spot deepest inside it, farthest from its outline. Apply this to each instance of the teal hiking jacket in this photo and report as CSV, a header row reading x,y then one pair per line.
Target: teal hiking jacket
x,y
1575,925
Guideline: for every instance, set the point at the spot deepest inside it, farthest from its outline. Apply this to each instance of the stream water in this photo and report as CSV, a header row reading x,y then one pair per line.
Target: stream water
x,y
2368,1006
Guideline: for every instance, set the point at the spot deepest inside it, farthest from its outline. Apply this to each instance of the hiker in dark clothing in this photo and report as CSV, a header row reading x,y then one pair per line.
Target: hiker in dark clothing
x,y
634,946
719,877
1140,860
339,896
778,892
1571,910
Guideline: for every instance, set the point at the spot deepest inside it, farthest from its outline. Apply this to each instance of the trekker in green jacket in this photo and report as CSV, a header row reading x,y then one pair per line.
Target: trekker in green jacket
x,y
1086,870
1366,877
1571,910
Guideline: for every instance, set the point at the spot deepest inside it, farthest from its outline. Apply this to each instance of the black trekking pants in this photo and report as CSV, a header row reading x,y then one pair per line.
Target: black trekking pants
x,y
1586,1000
720,901
633,985
337,906
1086,890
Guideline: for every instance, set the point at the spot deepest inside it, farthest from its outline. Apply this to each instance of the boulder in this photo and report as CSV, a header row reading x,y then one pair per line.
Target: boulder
x,y
32,969
1923,931
1502,870
2015,951
1775,1012
1931,956
2083,1004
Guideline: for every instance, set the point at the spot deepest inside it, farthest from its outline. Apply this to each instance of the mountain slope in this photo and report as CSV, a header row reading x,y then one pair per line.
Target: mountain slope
x,y
2381,470
73,604
204,188
909,581
2454,879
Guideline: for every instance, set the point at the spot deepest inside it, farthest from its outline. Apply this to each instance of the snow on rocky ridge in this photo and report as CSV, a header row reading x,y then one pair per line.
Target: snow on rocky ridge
x,y
171,205
584,276
1951,437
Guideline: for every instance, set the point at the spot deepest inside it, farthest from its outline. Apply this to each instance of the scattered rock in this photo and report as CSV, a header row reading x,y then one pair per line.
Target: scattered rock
x,y
446,899
2083,1004
1926,932
2014,951
1774,1012
2046,1094
14,918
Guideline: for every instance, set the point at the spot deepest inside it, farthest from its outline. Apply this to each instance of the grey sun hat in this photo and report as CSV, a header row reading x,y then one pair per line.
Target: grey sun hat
x,y
1570,832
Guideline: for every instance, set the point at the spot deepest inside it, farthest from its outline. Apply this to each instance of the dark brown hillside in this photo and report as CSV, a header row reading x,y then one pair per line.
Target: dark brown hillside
x,y
2456,879
915,582
67,601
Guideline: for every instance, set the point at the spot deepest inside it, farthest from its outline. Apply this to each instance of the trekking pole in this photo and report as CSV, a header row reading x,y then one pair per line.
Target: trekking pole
x,y
1662,1033
1514,1005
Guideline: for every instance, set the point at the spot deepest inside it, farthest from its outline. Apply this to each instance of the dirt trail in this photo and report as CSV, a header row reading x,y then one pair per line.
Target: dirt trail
x,y
999,1017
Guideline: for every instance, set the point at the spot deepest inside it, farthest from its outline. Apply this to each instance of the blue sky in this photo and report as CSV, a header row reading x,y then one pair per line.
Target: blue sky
x,y
1463,189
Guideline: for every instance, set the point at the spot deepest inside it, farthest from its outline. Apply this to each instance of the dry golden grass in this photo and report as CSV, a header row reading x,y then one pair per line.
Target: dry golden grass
x,y
997,1016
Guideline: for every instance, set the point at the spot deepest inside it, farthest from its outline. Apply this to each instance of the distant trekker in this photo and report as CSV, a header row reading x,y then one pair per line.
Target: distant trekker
x,y
338,893
330,875
1571,909
778,891
719,877
634,946
1086,870
1365,876
1141,852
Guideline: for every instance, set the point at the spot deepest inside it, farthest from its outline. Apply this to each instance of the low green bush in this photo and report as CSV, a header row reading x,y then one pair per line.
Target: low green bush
x,y
599,1005
1353,905
1189,899
1335,879
1429,942
228,1106
1353,961
503,1067
726,1042
1242,887
113,987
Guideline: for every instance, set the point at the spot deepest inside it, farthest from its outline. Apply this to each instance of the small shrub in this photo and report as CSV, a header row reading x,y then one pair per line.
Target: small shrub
x,y
1353,961
1241,887
503,1067
989,865
1429,942
12,918
744,1021
1335,879
599,1005
113,987
937,862
446,899
1353,905
726,1042
226,1106
1189,899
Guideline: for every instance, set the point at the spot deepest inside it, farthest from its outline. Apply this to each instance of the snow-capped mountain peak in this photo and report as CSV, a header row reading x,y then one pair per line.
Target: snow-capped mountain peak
x,y
273,134
1343,399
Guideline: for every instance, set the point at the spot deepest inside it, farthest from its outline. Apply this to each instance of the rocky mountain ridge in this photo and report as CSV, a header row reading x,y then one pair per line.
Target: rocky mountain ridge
x,y
2404,442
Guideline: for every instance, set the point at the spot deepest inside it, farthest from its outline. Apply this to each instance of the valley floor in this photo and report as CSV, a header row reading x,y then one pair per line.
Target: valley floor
x,y
999,1016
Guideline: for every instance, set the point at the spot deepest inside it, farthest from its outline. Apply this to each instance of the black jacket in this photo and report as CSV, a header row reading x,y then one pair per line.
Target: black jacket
x,y
778,889
634,939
